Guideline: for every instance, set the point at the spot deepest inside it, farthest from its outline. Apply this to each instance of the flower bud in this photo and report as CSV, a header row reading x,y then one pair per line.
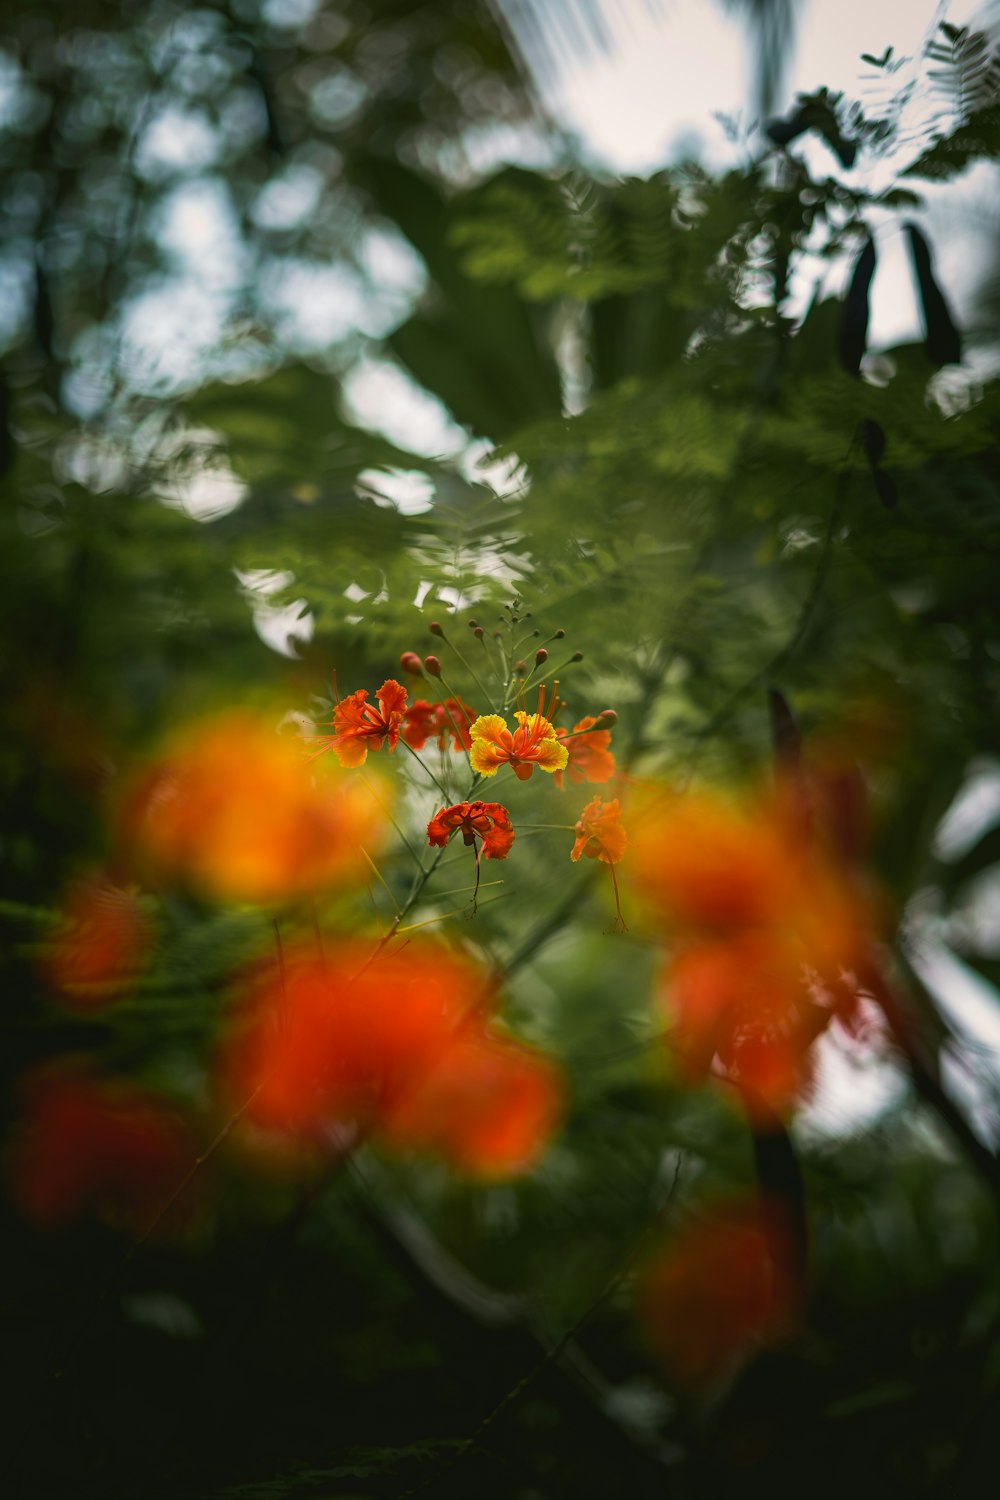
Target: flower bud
x,y
577,656
435,628
541,655
559,635
410,662
432,666
606,719
473,624
521,667
479,632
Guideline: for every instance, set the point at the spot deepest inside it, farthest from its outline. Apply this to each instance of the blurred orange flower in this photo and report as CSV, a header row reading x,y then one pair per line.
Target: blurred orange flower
x,y
600,835
716,1294
774,934
99,944
359,726
489,821
240,813
402,1048
90,1145
533,743
599,832
589,756
424,721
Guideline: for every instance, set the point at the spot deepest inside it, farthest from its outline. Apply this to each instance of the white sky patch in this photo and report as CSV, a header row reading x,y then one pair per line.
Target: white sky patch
x,y
316,305
976,808
380,395
285,201
280,626
169,330
854,1086
667,73
391,264
410,491
197,227
177,140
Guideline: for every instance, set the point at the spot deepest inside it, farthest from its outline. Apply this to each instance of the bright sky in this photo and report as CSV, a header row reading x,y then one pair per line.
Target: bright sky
x,y
675,63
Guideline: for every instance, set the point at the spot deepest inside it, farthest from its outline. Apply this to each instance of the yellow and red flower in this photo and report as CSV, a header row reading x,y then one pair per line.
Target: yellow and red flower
x,y
587,749
488,821
533,743
359,726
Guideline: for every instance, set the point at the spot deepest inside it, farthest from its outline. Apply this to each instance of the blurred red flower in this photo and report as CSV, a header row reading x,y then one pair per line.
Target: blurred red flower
x,y
92,1145
99,944
424,721
716,1293
774,929
394,1047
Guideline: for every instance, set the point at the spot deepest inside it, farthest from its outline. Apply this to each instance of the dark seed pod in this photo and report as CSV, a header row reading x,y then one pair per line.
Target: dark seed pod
x,y
854,314
885,488
943,342
872,440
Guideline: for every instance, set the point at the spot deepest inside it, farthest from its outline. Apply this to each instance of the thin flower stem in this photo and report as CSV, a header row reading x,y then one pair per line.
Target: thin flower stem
x,y
424,767
383,804
469,668
456,912
456,890
380,878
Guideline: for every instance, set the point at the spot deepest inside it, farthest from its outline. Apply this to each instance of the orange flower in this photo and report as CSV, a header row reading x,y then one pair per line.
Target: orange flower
x,y
488,1107
745,1000
589,756
599,832
359,726
717,1293
776,931
239,812
533,743
423,721
401,1048
91,1145
489,821
600,835
98,945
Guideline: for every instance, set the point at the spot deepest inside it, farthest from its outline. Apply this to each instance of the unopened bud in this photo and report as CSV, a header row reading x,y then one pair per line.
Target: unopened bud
x,y
435,628
541,655
577,656
521,667
473,624
410,662
559,635
498,635
432,666
479,632
606,719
